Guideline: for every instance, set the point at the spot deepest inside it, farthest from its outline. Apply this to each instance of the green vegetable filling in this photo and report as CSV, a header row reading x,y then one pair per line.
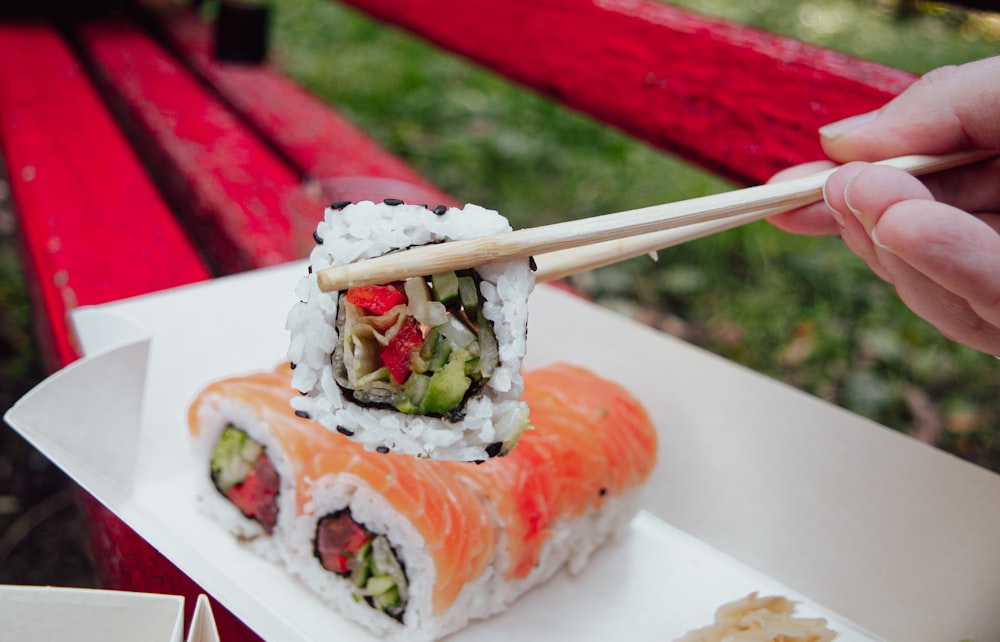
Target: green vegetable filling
x,y
233,458
380,360
366,559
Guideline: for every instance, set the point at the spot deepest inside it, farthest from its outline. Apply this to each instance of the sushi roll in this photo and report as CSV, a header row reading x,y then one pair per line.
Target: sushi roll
x,y
390,541
415,549
236,427
394,543
244,436
574,482
428,367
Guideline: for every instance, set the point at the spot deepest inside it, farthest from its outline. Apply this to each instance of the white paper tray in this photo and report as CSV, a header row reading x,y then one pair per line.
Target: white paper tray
x,y
759,487
47,613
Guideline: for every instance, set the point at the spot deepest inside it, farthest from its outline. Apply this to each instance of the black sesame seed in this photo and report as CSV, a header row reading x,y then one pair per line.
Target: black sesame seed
x,y
382,449
392,201
440,209
310,271
603,492
478,461
423,205
293,365
317,237
494,449
303,393
532,264
339,205
345,431
302,413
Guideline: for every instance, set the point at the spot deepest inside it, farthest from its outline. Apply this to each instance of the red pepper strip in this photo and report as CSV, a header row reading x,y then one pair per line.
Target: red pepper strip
x,y
396,355
256,496
377,299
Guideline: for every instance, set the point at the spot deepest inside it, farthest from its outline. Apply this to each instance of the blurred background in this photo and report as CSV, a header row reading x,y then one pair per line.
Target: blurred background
x,y
801,310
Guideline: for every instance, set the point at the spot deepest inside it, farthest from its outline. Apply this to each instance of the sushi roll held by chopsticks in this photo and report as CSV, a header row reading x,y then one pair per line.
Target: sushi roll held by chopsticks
x,y
428,366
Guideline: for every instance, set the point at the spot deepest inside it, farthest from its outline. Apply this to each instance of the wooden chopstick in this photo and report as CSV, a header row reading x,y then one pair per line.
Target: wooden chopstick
x,y
761,200
560,264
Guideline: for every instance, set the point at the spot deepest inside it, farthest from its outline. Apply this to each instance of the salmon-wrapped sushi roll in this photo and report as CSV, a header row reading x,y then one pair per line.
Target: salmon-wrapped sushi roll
x,y
399,533
250,443
574,481
414,549
429,366
393,542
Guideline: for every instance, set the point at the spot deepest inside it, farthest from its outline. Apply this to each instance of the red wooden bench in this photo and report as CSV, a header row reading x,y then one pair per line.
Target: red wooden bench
x,y
178,161
79,191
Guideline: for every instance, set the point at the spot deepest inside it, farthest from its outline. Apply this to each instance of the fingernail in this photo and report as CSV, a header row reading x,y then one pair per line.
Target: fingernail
x,y
837,216
841,127
879,243
873,232
847,201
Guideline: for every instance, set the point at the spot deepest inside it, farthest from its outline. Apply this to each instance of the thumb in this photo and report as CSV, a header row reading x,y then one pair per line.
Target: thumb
x,y
950,109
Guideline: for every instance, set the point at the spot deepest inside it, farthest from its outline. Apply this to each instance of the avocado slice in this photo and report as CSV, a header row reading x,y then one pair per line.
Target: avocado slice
x,y
446,388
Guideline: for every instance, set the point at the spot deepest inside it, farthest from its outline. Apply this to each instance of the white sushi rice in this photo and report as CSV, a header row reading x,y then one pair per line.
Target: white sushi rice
x,y
366,230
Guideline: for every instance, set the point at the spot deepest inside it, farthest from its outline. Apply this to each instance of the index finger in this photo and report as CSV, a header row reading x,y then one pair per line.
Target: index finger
x,y
947,110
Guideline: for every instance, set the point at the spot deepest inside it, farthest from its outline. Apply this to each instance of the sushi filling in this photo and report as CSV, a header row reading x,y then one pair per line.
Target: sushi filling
x,y
421,346
350,550
244,474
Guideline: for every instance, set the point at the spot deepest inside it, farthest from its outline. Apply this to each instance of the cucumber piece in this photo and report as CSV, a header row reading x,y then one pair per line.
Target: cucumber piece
x,y
387,599
414,391
379,584
430,343
440,357
361,570
445,287
468,292
233,457
489,351
434,353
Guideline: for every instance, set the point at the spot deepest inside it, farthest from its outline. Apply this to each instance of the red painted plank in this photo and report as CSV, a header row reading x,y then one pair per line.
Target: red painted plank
x,y
319,141
233,192
93,227
739,101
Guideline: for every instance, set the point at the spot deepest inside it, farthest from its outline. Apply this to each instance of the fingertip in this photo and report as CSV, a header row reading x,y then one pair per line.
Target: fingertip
x,y
835,189
872,189
854,138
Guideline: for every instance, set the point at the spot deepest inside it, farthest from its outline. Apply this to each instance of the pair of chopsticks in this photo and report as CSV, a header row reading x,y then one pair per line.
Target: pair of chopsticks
x,y
562,249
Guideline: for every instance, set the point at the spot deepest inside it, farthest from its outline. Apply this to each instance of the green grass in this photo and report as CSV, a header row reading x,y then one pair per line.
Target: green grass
x,y
475,135
802,310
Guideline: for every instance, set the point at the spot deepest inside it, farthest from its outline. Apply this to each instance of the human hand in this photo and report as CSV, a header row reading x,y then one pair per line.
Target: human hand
x,y
937,240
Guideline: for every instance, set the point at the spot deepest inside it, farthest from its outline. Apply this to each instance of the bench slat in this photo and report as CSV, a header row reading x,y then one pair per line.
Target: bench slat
x,y
318,140
738,101
74,183
231,190
339,161
94,229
